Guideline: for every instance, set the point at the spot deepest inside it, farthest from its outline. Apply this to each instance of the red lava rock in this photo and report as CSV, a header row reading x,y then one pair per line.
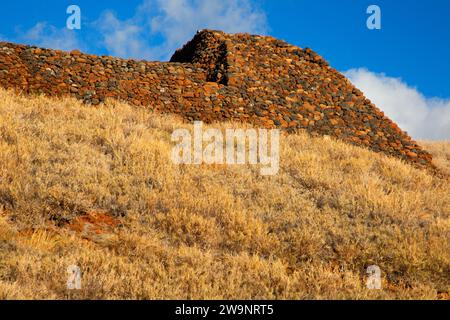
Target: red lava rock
x,y
75,52
411,154
94,226
216,77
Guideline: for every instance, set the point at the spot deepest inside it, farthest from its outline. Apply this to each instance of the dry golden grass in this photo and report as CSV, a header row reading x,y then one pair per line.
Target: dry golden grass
x,y
206,232
441,154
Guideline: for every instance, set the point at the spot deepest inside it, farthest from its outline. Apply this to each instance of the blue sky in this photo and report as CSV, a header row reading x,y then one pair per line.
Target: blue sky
x,y
404,67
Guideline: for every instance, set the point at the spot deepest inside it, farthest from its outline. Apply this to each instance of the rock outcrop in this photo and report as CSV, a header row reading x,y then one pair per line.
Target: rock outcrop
x,y
216,77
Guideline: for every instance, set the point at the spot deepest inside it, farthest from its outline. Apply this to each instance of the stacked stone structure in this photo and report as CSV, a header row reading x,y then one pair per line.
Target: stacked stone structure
x,y
218,77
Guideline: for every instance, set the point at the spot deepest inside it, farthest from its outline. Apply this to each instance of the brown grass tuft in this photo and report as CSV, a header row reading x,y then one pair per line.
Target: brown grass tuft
x,y
441,154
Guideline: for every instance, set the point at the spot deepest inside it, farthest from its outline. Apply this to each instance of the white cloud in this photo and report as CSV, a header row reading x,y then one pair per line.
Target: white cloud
x,y
48,36
421,117
122,38
174,22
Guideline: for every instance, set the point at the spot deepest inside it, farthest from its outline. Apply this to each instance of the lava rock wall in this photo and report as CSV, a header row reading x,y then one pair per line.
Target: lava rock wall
x,y
217,77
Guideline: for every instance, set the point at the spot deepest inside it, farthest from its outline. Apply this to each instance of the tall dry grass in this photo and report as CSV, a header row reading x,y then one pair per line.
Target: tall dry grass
x,y
206,232
441,154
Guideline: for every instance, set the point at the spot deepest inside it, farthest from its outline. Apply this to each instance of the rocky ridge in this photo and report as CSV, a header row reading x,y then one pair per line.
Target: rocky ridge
x,y
216,77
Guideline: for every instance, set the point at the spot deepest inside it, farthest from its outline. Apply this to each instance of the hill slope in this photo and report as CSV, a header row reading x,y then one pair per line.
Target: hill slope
x,y
220,77
95,187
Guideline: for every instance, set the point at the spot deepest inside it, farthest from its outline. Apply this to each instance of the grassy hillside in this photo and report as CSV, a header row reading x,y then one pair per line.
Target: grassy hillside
x,y
95,187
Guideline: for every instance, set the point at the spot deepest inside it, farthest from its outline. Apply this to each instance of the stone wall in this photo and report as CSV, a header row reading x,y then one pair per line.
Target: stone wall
x,y
216,77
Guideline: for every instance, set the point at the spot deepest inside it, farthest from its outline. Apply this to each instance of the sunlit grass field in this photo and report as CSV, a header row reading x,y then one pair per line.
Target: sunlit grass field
x,y
95,187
